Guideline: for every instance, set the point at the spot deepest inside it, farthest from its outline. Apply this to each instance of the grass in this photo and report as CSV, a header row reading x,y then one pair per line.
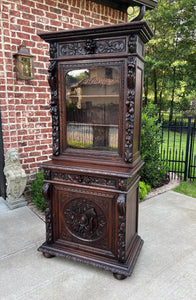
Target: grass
x,y
174,149
187,188
175,140
88,146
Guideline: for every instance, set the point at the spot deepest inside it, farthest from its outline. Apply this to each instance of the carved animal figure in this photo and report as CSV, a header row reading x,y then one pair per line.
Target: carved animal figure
x,y
15,175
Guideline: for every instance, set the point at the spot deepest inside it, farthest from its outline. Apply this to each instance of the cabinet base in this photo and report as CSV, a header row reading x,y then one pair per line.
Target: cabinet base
x,y
120,270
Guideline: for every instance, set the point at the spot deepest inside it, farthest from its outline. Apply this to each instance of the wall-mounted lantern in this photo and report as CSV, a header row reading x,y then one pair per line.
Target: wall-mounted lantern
x,y
24,63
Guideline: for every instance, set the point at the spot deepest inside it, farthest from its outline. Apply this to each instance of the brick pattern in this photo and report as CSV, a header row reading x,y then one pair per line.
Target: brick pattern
x,y
24,105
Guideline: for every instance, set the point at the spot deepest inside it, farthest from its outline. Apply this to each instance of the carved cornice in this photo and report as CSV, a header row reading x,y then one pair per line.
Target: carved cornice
x,y
48,212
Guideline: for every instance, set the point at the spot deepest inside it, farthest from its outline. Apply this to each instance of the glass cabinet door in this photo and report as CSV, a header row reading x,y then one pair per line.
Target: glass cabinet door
x,y
92,108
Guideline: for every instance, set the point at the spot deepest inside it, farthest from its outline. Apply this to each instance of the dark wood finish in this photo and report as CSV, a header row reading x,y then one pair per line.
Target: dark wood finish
x,y
92,196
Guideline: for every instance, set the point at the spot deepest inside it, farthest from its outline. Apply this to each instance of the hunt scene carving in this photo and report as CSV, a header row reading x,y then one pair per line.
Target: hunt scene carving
x,y
84,219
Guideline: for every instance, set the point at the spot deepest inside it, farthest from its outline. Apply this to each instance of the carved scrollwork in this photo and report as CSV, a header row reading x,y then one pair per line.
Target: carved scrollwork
x,y
91,46
85,219
85,179
71,49
54,106
48,213
121,205
110,46
130,104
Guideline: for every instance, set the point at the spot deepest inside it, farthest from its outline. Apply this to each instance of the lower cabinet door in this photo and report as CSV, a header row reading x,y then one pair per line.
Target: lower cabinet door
x,y
84,221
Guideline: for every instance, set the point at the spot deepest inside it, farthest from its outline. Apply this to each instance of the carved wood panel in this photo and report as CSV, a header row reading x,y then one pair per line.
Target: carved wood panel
x,y
85,218
92,46
88,180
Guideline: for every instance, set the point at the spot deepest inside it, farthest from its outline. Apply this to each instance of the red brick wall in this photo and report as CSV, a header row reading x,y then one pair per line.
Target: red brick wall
x,y
24,104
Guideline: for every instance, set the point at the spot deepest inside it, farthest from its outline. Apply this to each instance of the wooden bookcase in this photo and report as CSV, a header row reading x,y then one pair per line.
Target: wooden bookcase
x,y
91,183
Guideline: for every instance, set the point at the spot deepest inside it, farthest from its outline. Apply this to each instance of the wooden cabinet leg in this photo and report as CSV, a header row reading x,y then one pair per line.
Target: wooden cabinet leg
x,y
119,276
47,255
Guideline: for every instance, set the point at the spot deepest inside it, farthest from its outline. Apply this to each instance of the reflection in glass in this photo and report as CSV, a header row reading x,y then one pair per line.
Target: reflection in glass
x,y
92,106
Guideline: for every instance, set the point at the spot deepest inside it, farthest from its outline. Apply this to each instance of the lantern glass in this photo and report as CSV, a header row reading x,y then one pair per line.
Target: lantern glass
x,y
24,63
24,67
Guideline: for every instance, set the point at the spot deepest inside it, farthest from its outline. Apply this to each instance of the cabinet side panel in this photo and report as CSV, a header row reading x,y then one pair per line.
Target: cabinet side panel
x,y
131,215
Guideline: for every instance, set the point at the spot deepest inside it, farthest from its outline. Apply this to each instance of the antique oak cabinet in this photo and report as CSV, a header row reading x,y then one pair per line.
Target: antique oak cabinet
x,y
91,183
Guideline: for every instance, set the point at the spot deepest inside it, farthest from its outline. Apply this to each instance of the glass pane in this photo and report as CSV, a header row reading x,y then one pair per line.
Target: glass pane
x,y
92,107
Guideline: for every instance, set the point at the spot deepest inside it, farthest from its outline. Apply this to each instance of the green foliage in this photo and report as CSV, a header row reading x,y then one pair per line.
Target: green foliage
x,y
144,188
170,55
36,191
154,169
186,188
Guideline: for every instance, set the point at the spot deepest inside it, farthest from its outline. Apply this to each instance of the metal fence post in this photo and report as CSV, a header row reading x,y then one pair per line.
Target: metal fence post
x,y
187,148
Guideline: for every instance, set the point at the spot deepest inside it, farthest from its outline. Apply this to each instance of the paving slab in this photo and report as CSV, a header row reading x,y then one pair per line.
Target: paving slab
x,y
20,228
165,269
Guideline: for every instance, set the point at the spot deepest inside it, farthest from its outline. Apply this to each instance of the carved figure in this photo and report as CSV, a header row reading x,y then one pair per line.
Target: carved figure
x,y
16,178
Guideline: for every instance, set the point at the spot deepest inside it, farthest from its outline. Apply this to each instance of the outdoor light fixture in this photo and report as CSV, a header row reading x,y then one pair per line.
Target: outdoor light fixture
x,y
24,63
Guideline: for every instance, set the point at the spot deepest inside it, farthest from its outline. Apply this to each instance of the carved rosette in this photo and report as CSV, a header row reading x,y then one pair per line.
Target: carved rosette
x,y
130,103
54,106
84,219
48,213
121,205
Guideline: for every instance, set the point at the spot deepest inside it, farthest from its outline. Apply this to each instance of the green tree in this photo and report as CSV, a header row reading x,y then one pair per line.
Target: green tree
x,y
170,55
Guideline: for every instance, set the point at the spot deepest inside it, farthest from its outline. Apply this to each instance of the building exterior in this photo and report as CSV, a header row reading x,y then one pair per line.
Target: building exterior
x,y
24,104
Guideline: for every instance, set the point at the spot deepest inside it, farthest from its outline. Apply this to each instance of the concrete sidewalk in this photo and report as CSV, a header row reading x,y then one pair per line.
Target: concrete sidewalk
x,y
166,268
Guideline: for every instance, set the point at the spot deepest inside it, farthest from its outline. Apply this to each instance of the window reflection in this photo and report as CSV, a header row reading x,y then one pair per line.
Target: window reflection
x,y
92,106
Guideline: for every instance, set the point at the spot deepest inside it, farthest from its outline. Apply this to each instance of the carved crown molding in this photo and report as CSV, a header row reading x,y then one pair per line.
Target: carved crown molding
x,y
91,46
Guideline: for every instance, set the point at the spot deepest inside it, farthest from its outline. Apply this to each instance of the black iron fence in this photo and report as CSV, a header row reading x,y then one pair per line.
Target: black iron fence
x,y
178,147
